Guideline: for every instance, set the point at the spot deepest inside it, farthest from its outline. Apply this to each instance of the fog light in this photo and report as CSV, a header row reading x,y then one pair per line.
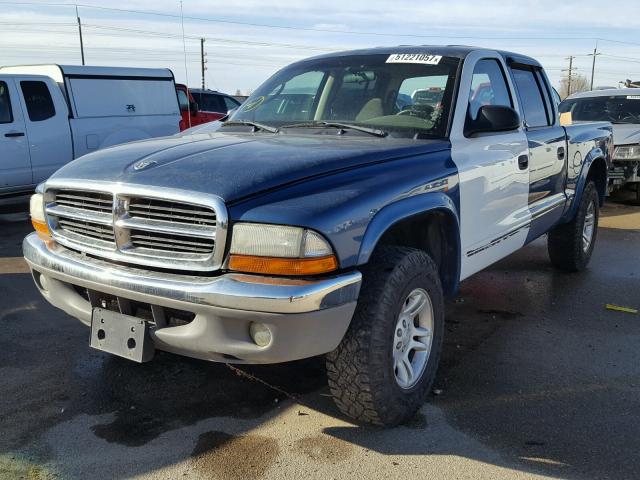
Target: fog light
x,y
260,334
44,282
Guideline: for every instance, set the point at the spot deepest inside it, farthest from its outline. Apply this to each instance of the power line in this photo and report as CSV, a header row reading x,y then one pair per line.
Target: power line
x,y
309,29
215,39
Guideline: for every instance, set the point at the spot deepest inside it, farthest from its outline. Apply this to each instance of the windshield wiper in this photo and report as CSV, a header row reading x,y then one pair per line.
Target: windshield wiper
x,y
343,126
255,125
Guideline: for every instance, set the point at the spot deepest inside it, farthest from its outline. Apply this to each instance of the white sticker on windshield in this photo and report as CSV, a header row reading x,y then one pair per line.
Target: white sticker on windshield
x,y
633,97
423,58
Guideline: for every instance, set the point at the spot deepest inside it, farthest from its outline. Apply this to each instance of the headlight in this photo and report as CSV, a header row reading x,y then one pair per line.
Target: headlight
x,y
38,220
279,250
628,152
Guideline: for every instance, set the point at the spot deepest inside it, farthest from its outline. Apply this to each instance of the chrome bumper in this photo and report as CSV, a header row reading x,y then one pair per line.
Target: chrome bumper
x,y
306,317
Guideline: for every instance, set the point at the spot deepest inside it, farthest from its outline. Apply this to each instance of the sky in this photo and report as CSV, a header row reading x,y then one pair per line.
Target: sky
x,y
248,41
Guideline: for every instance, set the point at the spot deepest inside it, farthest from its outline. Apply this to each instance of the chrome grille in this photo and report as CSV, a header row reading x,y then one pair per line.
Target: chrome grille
x,y
135,226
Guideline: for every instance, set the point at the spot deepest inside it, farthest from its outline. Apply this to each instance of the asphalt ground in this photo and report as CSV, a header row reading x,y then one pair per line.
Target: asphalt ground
x,y
538,379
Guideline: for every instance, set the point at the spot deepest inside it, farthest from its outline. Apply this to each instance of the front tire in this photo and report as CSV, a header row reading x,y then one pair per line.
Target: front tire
x,y
385,365
571,244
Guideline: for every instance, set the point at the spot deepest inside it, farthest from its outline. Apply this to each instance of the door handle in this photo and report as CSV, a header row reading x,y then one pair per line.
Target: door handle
x,y
560,153
14,134
523,162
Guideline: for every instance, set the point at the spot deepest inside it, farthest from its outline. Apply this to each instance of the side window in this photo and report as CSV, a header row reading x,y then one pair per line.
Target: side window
x,y
183,100
488,87
533,105
216,103
38,100
548,99
6,115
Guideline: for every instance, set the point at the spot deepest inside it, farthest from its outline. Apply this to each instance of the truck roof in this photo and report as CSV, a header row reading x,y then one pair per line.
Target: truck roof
x,y
609,92
205,90
57,72
458,51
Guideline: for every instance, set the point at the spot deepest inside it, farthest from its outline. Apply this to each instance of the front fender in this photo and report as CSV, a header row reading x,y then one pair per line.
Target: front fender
x,y
343,205
403,209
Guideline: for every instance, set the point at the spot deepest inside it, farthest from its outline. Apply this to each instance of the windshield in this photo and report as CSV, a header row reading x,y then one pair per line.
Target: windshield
x,y
615,109
403,94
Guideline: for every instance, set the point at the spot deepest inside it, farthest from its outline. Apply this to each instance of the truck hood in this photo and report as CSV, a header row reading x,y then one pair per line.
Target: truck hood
x,y
233,165
625,134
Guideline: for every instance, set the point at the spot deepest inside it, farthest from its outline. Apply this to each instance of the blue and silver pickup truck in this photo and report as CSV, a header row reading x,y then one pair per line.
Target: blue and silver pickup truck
x,y
331,214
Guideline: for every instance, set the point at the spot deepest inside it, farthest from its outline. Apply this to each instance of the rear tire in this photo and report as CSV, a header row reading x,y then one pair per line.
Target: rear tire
x,y
571,244
371,374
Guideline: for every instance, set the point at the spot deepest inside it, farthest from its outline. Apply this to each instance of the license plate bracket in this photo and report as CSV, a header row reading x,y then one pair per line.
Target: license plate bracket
x,y
122,335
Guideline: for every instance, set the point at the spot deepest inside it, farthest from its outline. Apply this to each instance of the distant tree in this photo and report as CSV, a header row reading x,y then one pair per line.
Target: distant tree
x,y
579,83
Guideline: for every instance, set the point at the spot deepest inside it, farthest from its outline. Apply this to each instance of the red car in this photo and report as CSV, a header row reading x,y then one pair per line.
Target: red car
x,y
203,105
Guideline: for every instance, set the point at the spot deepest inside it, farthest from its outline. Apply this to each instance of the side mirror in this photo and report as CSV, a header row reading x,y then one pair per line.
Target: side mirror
x,y
193,106
493,118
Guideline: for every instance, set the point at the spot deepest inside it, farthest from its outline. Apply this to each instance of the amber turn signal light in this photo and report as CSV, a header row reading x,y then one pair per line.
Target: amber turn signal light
x,y
283,266
42,229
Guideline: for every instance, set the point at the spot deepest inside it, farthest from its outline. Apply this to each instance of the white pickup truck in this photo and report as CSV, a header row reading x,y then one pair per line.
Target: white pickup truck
x,y
52,114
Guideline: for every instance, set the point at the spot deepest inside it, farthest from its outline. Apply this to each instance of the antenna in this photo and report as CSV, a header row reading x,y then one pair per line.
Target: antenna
x,y
80,33
186,71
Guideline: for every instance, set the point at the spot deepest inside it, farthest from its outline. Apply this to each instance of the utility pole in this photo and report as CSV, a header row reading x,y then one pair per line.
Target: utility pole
x,y
202,60
593,65
570,72
80,32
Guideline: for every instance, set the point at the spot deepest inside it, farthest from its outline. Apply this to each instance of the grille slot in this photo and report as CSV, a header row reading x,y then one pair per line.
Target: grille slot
x,y
87,229
154,209
170,242
93,201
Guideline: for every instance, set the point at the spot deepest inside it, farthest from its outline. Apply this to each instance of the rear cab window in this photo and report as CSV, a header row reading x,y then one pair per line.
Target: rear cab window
x,y
37,98
6,115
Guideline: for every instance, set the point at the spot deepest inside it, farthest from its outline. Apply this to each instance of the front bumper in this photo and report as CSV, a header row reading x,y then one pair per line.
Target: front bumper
x,y
305,317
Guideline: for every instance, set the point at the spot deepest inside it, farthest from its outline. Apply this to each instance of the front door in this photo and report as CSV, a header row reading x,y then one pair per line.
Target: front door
x,y
15,165
494,185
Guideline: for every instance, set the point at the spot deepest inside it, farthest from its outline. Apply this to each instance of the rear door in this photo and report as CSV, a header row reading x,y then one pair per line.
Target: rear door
x,y
15,165
547,147
47,120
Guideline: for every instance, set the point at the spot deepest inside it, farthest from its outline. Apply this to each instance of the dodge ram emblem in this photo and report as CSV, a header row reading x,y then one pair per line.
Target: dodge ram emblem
x,y
142,164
